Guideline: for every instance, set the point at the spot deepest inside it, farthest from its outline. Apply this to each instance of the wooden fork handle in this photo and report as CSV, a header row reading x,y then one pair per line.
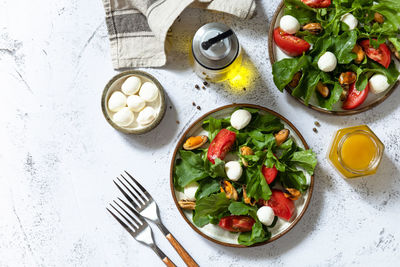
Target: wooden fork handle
x,y
181,251
168,262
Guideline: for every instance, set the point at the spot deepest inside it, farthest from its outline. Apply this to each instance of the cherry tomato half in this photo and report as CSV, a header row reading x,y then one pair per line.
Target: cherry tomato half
x,y
269,173
236,223
290,44
381,55
282,206
221,145
317,3
355,97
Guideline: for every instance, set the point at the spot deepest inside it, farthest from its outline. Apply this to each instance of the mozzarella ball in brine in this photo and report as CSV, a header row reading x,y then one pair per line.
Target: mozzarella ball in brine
x,y
240,119
350,20
327,62
135,103
116,101
131,85
266,215
190,191
289,24
378,83
146,116
148,92
233,170
123,117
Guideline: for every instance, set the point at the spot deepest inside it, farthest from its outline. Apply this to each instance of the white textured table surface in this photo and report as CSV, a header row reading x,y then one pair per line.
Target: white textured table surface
x,y
58,155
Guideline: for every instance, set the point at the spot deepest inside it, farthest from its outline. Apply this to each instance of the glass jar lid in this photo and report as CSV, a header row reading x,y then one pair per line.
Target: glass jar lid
x,y
215,46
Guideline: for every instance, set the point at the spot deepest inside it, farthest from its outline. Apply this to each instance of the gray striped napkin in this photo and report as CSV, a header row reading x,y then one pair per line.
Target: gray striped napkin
x,y
137,28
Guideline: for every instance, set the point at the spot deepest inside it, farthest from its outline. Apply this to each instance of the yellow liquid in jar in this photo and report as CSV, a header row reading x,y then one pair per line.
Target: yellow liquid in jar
x,y
355,151
358,151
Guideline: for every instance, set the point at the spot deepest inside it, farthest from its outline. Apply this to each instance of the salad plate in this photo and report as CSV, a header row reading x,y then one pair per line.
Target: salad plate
x,y
334,103
212,203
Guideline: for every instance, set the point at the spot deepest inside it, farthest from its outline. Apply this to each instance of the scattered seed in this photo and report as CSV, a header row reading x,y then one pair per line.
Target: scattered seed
x,y
194,104
315,130
317,124
244,89
205,83
197,87
204,88
198,107
177,122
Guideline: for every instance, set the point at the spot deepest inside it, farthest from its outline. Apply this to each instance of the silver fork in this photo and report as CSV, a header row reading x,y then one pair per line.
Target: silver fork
x,y
138,228
147,207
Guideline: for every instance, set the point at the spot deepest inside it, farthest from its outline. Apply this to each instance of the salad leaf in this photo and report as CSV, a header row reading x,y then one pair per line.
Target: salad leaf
x,y
257,187
257,235
334,97
207,187
213,126
299,10
215,170
239,208
284,70
189,168
293,178
343,45
214,206
305,159
266,123
307,84
261,141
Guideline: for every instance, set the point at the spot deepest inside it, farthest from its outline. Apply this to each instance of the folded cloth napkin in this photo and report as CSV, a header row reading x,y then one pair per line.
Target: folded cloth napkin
x,y
137,28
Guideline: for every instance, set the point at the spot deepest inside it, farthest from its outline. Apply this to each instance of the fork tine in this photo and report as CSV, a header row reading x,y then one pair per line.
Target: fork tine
x,y
121,222
126,219
139,193
138,222
140,186
136,205
130,208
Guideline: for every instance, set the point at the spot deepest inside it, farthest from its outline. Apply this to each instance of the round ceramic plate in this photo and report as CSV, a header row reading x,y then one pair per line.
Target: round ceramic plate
x,y
276,54
214,232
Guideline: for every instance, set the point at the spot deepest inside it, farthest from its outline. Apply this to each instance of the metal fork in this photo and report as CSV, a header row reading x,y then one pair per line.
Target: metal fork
x,y
138,228
147,207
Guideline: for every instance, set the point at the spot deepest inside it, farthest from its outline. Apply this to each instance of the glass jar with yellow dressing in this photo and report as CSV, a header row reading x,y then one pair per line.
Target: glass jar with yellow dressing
x,y
356,151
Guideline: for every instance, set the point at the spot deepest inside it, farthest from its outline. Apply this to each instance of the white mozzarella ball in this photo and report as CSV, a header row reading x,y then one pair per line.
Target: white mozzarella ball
x,y
327,62
148,91
117,101
146,116
350,20
135,103
124,117
131,85
233,170
240,119
266,215
289,24
190,191
378,83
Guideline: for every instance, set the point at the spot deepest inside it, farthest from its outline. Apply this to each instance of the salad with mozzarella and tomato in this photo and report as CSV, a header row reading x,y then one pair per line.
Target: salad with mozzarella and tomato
x,y
339,50
247,178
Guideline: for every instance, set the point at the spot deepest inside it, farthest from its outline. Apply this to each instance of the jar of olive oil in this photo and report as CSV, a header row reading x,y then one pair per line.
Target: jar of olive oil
x,y
355,151
216,52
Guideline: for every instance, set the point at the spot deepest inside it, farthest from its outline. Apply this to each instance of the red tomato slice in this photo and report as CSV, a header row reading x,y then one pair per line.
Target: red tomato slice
x,y
317,3
236,223
221,145
381,55
282,206
269,173
290,44
355,97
